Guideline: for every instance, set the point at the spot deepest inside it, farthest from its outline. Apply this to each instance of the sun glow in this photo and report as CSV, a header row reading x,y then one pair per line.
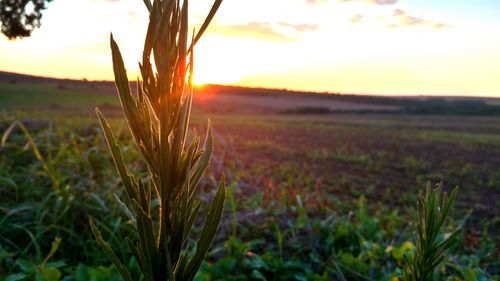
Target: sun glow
x,y
409,48
215,73
214,64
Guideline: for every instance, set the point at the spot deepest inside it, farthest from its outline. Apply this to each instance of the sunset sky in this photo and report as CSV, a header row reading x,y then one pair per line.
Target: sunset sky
x,y
405,47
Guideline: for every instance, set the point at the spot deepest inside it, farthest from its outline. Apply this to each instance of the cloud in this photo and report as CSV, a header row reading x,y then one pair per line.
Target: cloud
x,y
401,18
357,18
314,1
384,2
378,2
304,27
260,30
280,31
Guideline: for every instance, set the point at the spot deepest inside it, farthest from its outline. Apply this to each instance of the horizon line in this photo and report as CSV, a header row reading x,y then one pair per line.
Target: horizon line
x,y
282,89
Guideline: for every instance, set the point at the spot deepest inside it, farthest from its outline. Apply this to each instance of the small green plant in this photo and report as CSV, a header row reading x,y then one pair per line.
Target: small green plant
x,y
48,166
39,270
163,207
431,247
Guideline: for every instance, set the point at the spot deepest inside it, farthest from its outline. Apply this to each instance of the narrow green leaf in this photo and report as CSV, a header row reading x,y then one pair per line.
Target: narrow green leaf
x,y
47,167
110,253
208,232
207,21
201,165
126,210
117,156
148,4
53,249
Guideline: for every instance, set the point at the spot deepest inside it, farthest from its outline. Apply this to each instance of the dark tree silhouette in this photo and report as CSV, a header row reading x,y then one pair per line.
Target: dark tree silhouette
x,y
20,17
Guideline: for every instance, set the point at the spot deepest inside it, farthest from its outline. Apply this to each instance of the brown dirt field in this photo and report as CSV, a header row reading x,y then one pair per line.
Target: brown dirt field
x,y
275,103
387,159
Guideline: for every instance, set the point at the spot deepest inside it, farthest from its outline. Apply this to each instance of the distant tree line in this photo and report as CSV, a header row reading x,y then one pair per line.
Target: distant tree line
x,y
434,106
457,107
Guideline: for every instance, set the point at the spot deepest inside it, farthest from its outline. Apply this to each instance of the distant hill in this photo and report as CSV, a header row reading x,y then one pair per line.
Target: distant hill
x,y
11,77
236,98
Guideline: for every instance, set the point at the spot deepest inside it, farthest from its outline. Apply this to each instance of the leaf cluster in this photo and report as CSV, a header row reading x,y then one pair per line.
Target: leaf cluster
x,y
164,206
430,248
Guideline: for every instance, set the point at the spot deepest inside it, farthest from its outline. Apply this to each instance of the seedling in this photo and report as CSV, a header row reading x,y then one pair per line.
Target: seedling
x,y
430,250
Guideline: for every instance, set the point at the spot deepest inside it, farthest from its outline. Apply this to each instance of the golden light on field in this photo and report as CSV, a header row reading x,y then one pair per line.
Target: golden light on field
x,y
350,46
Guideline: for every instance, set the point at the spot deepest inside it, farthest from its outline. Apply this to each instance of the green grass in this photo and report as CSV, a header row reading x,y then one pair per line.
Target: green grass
x,y
322,223
316,198
44,94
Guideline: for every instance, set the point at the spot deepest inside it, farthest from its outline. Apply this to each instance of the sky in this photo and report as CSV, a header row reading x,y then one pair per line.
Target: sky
x,y
382,47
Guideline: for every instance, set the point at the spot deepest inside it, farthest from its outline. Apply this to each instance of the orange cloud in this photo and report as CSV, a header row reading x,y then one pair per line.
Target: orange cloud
x,y
401,18
357,18
384,2
281,31
378,2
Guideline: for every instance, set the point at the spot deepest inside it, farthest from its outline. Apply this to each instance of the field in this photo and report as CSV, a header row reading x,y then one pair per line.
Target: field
x,y
320,187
